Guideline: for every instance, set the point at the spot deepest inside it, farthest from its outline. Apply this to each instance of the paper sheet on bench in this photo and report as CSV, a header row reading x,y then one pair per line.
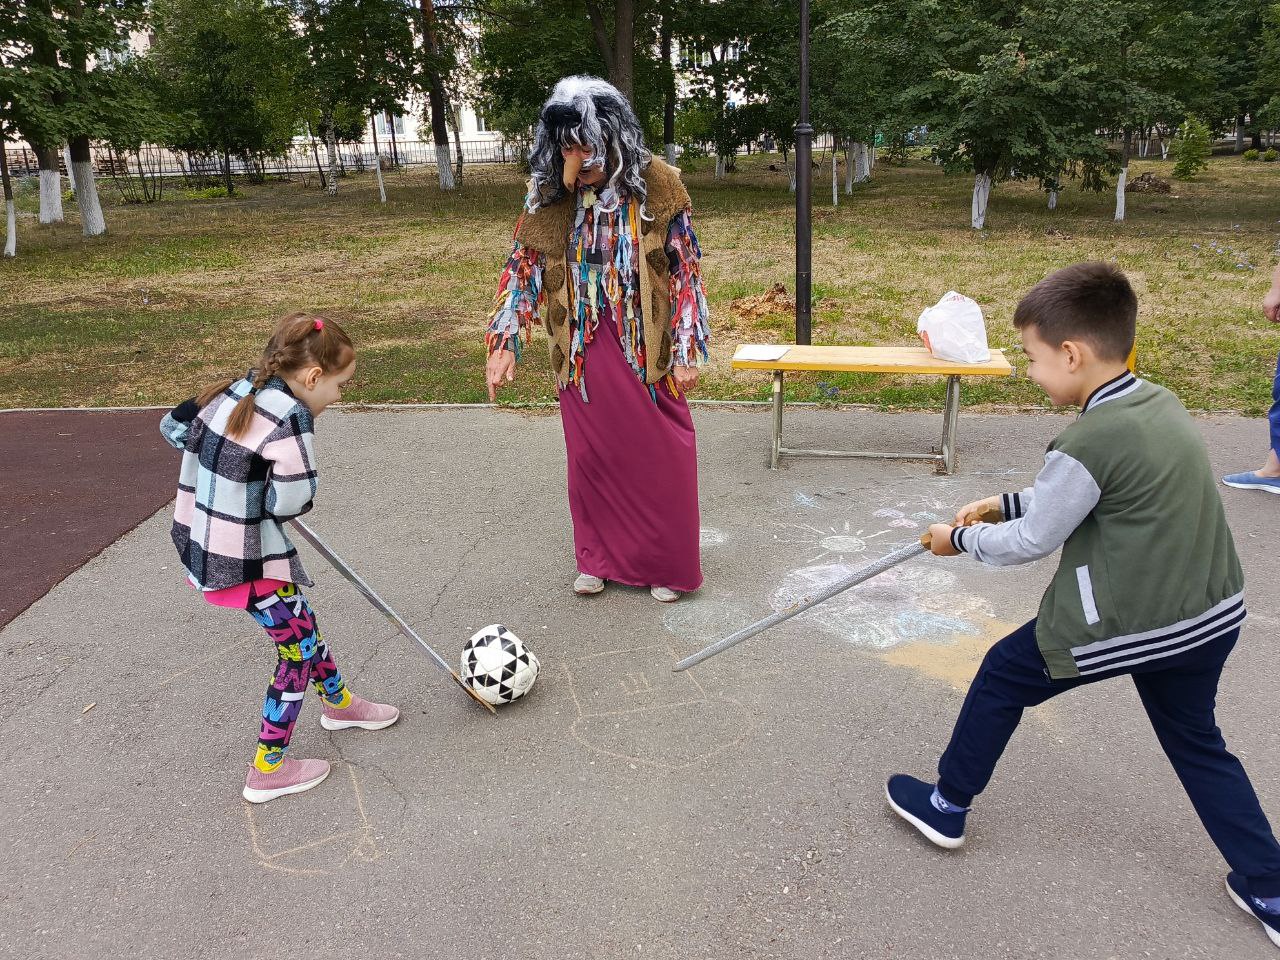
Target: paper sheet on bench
x,y
761,351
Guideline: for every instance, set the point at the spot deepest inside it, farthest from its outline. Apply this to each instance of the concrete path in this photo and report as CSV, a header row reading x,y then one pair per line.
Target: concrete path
x,y
620,810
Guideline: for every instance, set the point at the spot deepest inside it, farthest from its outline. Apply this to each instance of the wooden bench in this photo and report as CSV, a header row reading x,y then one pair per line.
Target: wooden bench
x,y
905,360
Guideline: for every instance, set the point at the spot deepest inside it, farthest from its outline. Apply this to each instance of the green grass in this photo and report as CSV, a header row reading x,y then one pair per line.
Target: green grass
x,y
183,291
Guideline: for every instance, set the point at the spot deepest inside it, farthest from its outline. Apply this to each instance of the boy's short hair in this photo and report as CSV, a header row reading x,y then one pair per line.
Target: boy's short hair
x,y
1088,301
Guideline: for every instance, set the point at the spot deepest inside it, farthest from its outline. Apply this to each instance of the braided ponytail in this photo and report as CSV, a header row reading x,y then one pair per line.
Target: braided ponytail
x,y
299,340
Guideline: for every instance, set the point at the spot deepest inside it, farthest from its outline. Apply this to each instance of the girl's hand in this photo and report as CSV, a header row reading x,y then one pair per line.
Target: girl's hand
x,y
686,378
940,540
500,369
972,512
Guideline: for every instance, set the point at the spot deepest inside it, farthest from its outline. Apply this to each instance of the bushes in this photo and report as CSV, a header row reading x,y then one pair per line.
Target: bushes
x,y
1192,147
1271,156
1250,154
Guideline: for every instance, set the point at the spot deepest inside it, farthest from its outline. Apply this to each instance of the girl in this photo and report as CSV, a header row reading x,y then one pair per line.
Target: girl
x,y
247,467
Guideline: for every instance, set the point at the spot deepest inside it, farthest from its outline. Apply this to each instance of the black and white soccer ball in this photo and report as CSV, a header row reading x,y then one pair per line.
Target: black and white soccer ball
x,y
497,665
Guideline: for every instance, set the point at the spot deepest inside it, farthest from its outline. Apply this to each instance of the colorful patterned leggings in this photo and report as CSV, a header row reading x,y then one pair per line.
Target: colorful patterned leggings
x,y
303,656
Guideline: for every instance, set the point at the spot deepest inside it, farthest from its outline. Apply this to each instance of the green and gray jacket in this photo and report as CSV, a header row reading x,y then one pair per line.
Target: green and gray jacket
x,y
1148,565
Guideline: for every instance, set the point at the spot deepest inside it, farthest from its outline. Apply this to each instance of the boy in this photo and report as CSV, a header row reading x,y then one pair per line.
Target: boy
x,y
1149,584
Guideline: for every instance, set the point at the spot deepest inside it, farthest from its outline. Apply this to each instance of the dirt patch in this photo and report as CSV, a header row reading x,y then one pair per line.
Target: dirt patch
x,y
773,301
1148,183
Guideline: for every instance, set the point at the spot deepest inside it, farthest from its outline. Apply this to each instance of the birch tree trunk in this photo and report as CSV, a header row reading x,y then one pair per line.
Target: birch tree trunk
x,y
10,208
377,160
835,177
50,185
444,167
331,150
226,171
315,153
435,99
1124,175
456,113
92,223
848,165
669,93
981,194
71,174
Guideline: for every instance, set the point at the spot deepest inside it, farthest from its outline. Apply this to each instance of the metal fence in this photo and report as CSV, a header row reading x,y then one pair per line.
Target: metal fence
x,y
301,159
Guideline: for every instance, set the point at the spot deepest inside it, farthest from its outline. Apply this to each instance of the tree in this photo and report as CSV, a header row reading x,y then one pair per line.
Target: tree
x,y
1192,148
30,33
360,61
231,67
436,66
59,53
617,46
141,118
1009,100
1148,57
864,61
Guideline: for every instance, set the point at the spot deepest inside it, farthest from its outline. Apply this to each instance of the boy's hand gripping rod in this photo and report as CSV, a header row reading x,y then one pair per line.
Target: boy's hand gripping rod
x,y
987,515
383,607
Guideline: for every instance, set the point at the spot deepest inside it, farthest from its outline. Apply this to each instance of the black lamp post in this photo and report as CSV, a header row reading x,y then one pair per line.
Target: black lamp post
x,y
804,184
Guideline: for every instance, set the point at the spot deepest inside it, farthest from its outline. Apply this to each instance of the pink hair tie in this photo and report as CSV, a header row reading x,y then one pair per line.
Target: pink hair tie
x,y
319,324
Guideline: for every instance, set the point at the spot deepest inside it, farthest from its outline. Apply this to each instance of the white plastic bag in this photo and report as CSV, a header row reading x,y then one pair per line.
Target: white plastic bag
x,y
953,329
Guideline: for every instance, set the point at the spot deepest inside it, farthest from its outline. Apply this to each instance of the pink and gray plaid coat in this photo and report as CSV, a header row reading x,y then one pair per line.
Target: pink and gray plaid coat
x,y
235,495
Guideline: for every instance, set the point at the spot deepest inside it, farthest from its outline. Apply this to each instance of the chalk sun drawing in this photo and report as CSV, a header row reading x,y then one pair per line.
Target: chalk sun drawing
x,y
835,541
908,603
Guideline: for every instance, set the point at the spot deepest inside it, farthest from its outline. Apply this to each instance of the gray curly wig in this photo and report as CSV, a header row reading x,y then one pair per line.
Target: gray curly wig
x,y
588,112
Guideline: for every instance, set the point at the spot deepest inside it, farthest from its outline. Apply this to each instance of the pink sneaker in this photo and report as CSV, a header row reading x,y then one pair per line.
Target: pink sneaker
x,y
361,713
292,776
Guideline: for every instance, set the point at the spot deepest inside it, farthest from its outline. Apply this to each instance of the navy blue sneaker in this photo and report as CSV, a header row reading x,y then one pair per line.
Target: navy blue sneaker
x,y
1238,888
910,799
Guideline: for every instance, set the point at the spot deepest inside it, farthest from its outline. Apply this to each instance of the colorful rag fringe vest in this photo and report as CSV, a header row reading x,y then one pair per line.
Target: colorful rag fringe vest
x,y
547,231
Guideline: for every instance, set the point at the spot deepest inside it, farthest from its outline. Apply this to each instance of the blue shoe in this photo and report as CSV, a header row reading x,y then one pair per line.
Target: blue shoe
x,y
1238,888
1251,481
909,799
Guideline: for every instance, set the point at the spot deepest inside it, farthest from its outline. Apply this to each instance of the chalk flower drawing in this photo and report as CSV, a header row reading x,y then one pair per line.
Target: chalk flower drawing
x,y
913,602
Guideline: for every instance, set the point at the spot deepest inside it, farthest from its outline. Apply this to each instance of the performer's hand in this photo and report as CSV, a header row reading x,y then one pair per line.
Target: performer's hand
x,y
686,378
972,512
1271,304
500,369
940,540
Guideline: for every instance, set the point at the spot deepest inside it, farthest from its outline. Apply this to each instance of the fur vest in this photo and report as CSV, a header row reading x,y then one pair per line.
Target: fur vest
x,y
547,231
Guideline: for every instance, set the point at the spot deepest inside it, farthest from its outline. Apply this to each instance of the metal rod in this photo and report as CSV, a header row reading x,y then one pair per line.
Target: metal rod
x,y
382,606
775,450
950,416
866,573
861,454
804,183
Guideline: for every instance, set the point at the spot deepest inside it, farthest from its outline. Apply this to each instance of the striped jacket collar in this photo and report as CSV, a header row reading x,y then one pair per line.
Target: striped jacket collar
x,y
1121,386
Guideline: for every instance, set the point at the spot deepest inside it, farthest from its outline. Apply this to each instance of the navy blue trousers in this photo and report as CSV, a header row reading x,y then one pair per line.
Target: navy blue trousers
x,y
1179,694
1273,416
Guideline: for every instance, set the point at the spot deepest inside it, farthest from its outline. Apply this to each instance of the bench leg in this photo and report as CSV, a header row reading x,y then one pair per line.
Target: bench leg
x,y
775,447
950,415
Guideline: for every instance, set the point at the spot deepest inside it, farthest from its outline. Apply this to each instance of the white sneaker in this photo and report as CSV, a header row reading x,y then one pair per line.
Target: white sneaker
x,y
586,585
663,595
